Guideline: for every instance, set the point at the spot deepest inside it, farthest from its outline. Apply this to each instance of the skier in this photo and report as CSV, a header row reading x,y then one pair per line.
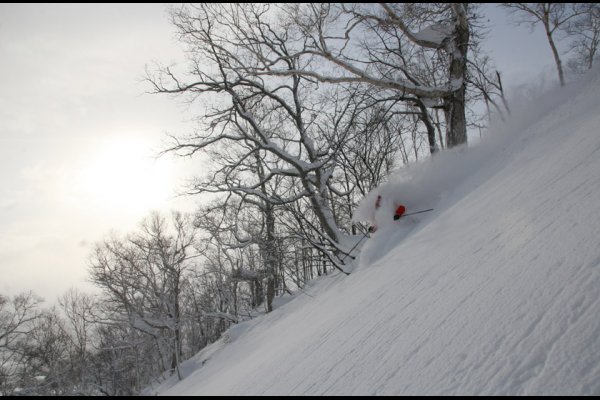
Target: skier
x,y
399,211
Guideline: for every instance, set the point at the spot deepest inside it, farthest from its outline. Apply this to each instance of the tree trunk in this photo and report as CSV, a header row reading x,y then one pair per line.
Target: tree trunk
x,y
561,76
320,205
424,116
454,106
257,293
268,247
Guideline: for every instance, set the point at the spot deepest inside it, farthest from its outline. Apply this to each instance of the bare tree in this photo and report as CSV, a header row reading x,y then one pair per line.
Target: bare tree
x,y
79,310
486,83
47,365
240,248
143,274
372,44
123,361
262,129
585,34
552,16
17,321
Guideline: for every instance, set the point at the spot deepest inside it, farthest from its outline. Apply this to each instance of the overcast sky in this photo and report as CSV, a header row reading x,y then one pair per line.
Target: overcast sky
x,y
77,131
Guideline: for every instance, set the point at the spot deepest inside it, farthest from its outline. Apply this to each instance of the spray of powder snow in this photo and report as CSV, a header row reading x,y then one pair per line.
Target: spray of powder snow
x,y
424,185
431,183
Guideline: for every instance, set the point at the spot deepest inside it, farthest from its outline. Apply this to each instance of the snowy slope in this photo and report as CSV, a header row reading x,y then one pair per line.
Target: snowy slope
x,y
496,292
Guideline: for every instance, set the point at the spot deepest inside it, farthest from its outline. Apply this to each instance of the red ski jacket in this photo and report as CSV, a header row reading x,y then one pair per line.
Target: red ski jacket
x,y
399,211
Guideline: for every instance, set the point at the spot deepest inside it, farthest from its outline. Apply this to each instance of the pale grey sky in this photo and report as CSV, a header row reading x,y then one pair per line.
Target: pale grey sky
x,y
72,104
77,132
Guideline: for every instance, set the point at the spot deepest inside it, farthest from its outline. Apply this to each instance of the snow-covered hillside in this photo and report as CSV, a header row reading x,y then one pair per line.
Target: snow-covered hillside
x,y
495,292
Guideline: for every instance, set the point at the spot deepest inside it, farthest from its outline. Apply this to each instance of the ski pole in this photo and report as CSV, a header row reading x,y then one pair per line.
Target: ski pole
x,y
416,212
357,243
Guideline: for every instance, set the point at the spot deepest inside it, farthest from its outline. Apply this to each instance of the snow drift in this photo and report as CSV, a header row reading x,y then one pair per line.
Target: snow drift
x,y
497,292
